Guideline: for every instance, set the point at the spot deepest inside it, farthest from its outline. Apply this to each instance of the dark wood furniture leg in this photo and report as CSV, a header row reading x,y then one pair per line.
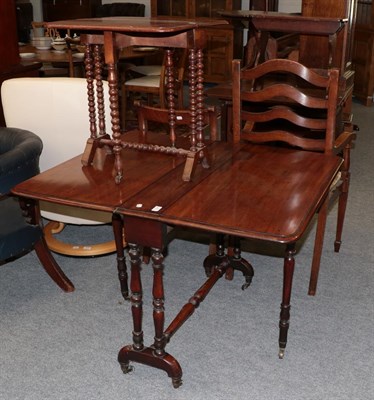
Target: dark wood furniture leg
x,y
235,260
31,210
217,257
284,320
318,245
117,225
239,263
154,355
149,233
343,197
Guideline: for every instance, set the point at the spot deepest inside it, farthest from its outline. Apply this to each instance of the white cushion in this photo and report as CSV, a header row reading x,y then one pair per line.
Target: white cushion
x,y
146,69
151,81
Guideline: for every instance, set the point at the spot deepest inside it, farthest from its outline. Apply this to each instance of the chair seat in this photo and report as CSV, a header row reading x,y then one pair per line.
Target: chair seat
x,y
148,70
146,81
16,235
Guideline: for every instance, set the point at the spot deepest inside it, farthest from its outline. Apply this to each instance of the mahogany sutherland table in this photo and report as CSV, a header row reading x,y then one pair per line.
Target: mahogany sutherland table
x,y
242,194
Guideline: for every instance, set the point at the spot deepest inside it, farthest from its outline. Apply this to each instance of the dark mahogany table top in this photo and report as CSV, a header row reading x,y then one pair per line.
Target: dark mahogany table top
x,y
284,22
134,24
241,194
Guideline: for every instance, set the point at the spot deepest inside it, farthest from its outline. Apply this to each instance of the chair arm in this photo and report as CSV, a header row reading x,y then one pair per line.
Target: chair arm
x,y
19,156
344,139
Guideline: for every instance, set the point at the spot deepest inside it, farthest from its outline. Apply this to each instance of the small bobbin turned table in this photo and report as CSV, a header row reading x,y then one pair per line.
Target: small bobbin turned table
x,y
109,35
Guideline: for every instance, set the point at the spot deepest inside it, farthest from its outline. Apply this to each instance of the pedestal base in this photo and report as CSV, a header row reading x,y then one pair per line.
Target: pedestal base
x,y
147,356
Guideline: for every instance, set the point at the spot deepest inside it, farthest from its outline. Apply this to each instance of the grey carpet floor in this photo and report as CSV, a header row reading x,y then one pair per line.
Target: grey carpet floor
x,y
57,346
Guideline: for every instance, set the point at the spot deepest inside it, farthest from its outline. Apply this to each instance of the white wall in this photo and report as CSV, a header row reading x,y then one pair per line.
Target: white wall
x,y
289,5
37,9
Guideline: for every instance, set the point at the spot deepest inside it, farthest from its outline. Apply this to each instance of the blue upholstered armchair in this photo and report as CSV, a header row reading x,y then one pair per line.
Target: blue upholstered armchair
x,y
19,160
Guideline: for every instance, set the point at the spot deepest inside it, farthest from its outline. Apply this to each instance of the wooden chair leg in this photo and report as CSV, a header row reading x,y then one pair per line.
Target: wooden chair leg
x,y
343,198
284,318
342,205
318,245
51,267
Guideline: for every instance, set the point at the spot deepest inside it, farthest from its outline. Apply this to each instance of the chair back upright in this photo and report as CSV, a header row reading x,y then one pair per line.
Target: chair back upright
x,y
282,101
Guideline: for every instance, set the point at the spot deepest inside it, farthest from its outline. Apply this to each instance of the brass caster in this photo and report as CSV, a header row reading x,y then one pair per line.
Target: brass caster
x,y
177,382
281,353
248,281
126,368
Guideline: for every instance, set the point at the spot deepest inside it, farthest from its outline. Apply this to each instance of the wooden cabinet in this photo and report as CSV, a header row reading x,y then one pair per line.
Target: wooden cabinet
x,y
54,10
321,52
363,52
224,42
314,51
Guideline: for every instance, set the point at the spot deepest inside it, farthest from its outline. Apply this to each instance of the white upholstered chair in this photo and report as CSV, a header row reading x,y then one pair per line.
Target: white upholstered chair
x,y
56,109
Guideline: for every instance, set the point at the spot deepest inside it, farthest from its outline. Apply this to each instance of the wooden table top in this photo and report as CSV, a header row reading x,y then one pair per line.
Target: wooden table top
x,y
242,194
284,22
134,24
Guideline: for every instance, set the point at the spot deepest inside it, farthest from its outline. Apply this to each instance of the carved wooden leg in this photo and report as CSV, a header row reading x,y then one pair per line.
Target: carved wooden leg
x,y
158,302
30,209
136,297
239,263
215,259
284,321
51,267
163,361
128,353
154,356
117,224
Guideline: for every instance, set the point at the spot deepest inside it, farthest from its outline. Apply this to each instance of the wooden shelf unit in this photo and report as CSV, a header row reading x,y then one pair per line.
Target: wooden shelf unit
x,y
54,10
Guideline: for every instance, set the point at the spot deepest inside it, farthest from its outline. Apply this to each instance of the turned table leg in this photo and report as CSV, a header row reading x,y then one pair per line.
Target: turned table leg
x,y
236,261
284,320
117,225
239,263
125,354
155,355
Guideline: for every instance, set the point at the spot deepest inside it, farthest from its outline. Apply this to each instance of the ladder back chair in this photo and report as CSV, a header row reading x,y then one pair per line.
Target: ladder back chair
x,y
284,103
